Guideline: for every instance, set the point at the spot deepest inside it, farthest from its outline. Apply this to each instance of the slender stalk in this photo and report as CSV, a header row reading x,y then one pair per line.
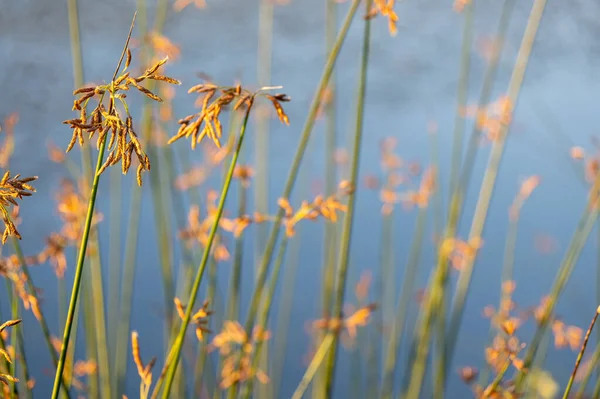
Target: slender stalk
x,y
487,188
14,336
463,89
33,292
263,317
114,268
406,292
100,321
331,229
580,355
316,361
188,313
235,286
584,227
89,325
284,316
202,347
344,254
588,374
82,249
596,393
262,139
291,179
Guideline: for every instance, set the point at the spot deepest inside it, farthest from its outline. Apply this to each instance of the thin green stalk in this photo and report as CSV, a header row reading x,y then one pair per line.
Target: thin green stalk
x,y
14,336
485,195
235,286
100,322
33,292
202,346
330,165
585,380
463,89
114,268
584,227
77,279
284,313
89,324
345,240
596,393
406,293
598,281
82,250
457,152
284,316
580,355
507,268
180,337
126,295
263,317
291,179
262,139
385,291
316,361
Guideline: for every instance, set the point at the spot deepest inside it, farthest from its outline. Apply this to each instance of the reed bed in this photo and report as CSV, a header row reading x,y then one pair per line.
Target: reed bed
x,y
231,254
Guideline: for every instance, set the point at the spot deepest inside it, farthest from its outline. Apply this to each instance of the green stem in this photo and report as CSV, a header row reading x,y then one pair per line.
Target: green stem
x,y
33,292
263,318
434,297
291,179
344,254
580,355
406,293
205,256
82,249
314,365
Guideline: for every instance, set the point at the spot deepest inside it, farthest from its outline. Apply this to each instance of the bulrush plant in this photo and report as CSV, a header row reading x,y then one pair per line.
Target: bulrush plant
x,y
122,144
210,352
11,189
206,123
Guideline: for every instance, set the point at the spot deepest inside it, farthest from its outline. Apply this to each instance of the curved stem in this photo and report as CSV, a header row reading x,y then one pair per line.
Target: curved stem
x,y
83,247
178,344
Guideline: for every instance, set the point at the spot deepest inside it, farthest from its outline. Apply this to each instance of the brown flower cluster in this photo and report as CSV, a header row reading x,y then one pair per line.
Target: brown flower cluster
x,y
385,8
11,189
237,350
200,318
123,140
215,99
144,371
325,207
7,378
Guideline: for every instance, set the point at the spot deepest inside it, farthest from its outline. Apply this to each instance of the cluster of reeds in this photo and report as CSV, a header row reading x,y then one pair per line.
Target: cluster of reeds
x,y
229,346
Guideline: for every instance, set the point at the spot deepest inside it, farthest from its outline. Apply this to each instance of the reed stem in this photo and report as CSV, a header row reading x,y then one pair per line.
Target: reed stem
x,y
178,344
346,236
580,355
83,247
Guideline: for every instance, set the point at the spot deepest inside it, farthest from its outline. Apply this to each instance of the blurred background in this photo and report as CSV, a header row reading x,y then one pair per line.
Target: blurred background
x,y
412,85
